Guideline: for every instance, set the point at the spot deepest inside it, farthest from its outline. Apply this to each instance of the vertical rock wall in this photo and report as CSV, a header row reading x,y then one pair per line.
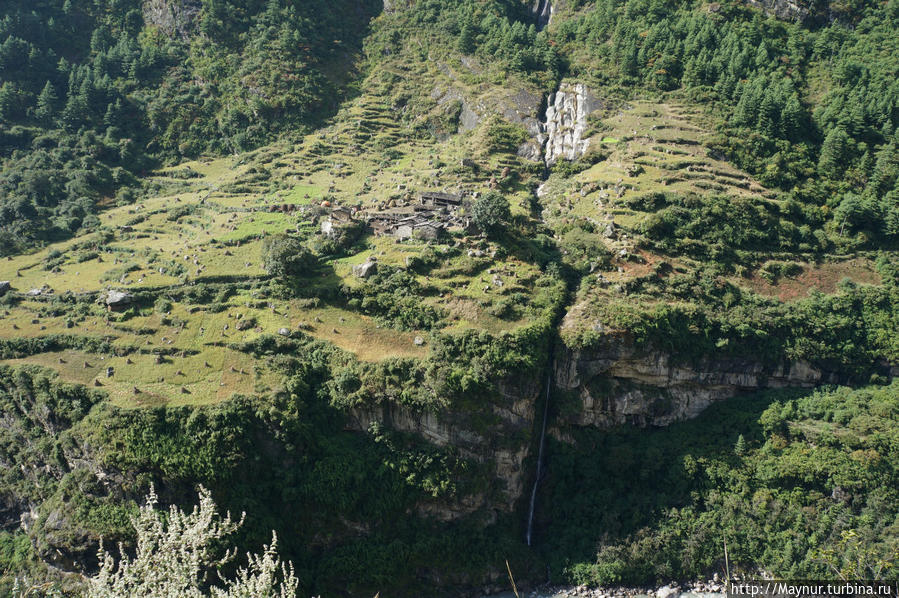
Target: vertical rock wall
x,y
566,121
542,10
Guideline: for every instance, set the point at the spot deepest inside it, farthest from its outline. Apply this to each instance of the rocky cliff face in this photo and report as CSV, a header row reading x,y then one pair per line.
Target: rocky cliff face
x,y
501,447
395,5
566,121
520,107
172,17
788,10
542,10
615,383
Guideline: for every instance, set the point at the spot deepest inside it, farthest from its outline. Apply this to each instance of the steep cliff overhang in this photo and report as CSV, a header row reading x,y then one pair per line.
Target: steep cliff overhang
x,y
614,382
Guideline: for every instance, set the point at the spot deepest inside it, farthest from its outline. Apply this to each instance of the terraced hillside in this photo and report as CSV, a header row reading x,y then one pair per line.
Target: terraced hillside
x,y
650,243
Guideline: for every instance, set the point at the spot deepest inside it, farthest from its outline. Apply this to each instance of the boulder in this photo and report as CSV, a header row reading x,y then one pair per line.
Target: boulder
x,y
245,324
366,269
283,331
5,286
115,299
666,592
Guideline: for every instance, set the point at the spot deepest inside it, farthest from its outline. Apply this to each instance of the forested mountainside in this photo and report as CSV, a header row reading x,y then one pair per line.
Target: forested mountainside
x,y
96,94
343,263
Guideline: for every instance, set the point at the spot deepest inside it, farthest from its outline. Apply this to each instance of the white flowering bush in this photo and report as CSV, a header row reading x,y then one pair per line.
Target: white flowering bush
x,y
175,553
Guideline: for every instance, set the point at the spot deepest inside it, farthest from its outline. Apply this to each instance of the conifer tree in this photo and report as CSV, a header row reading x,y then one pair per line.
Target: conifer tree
x,y
46,103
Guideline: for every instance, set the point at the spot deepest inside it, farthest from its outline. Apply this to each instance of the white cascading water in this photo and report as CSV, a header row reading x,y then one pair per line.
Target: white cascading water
x,y
539,458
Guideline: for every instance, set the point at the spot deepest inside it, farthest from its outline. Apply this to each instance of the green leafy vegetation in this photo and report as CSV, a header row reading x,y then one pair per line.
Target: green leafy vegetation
x,y
794,482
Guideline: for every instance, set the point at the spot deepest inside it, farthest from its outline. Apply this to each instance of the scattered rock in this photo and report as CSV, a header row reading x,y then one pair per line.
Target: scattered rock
x,y
418,341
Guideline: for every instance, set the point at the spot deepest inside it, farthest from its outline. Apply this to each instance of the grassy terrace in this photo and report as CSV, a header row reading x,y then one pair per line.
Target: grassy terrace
x,y
203,225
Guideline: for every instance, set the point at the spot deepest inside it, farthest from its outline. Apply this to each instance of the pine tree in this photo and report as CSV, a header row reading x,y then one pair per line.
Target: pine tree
x,y
629,61
740,446
791,118
466,42
768,114
886,169
9,99
46,103
834,152
692,76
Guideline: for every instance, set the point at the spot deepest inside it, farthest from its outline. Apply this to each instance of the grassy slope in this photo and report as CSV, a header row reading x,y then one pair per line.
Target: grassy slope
x,y
372,151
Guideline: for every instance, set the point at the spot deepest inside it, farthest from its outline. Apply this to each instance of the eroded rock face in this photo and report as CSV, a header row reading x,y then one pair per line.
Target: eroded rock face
x,y
172,17
618,384
788,10
566,121
520,107
542,10
395,5
501,447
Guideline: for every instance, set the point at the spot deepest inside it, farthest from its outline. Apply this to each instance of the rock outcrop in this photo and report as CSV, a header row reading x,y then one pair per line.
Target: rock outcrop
x,y
566,121
395,5
542,10
494,447
787,10
172,17
521,107
615,383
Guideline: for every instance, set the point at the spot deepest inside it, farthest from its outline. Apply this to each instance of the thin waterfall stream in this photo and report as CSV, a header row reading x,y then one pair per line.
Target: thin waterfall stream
x,y
549,374
539,456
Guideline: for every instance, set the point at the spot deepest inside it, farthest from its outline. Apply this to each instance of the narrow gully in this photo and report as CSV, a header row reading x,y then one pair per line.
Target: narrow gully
x,y
539,474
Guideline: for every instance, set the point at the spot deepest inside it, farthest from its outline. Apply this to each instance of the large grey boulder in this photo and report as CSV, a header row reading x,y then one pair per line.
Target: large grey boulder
x,y
5,286
118,299
366,269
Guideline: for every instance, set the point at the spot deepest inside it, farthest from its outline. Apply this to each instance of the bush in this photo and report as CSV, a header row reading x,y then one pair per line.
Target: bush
x,y
490,212
286,258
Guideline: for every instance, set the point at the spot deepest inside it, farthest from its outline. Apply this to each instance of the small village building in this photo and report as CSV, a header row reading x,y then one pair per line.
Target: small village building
x,y
380,227
403,232
439,199
336,218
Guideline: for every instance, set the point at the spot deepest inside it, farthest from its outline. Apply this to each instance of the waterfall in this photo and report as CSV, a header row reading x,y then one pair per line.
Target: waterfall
x,y
543,11
539,455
